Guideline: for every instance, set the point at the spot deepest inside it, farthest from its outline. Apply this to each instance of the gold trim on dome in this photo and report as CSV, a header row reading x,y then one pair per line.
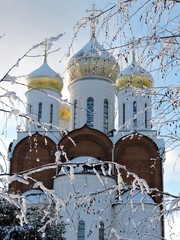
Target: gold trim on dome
x,y
44,82
92,67
134,81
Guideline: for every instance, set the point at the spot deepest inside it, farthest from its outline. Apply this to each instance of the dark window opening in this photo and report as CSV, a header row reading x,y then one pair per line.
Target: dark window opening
x,y
51,115
90,112
75,114
81,230
39,114
105,123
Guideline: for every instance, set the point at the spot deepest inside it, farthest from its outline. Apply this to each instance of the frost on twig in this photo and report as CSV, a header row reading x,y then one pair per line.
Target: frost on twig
x,y
11,79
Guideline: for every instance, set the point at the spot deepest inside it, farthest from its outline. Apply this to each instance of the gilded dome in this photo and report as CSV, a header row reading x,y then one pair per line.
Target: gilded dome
x,y
92,60
44,78
134,76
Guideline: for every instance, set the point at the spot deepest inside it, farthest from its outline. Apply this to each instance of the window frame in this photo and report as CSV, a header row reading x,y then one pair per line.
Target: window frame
x,y
145,116
124,114
105,115
101,231
134,113
75,113
81,230
39,113
90,112
51,115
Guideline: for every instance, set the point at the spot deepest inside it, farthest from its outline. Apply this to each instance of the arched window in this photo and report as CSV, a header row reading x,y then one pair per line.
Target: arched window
x,y
101,231
124,113
90,112
51,115
39,113
81,230
134,114
75,114
105,123
29,108
145,120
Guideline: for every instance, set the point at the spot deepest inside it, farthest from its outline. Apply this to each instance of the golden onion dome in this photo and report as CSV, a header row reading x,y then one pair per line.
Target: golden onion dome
x,y
134,76
44,78
92,60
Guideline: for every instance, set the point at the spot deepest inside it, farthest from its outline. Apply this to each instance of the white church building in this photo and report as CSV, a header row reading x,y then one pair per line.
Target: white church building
x,y
107,177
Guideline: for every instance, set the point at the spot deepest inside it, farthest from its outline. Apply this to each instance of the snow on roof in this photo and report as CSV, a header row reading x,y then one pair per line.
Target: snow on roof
x,y
135,69
44,70
80,165
35,196
44,78
85,159
136,197
92,49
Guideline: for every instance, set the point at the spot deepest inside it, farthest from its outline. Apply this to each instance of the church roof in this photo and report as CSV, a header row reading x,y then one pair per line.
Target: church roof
x,y
134,76
92,60
136,197
85,160
44,77
82,164
35,196
93,49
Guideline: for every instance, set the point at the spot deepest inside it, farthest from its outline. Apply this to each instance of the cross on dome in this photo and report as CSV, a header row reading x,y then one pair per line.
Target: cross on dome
x,y
45,50
93,10
133,56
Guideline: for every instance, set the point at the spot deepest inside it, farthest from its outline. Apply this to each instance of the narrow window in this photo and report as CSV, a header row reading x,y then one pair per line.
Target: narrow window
x,y
124,112
51,115
90,112
39,114
81,230
105,124
101,231
134,114
145,115
29,109
75,114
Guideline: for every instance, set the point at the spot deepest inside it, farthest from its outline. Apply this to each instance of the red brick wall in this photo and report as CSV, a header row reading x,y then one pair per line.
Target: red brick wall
x,y
33,153
87,142
140,155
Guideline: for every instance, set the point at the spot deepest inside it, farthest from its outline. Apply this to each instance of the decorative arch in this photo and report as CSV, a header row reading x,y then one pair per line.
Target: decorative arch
x,y
86,142
32,153
140,155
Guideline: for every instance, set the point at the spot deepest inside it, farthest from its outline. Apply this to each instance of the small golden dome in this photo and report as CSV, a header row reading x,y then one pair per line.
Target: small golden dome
x,y
92,60
64,112
44,78
134,76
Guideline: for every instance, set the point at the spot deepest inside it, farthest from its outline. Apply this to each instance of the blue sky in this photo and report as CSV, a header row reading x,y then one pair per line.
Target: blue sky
x,y
28,22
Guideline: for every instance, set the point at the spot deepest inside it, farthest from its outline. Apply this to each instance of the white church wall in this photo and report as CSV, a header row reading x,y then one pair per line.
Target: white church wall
x,y
100,90
137,221
89,198
127,96
46,97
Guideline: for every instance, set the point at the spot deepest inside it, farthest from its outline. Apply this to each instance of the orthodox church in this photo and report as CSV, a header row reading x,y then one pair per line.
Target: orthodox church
x,y
109,178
